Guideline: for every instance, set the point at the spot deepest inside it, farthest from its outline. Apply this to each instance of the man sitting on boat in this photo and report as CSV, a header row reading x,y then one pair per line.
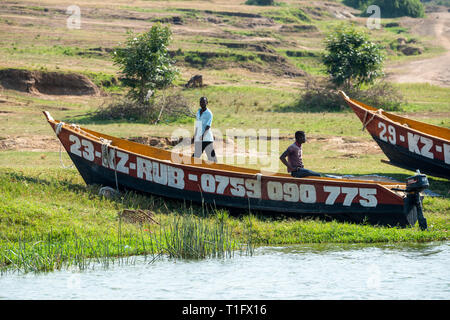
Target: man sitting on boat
x,y
294,161
203,138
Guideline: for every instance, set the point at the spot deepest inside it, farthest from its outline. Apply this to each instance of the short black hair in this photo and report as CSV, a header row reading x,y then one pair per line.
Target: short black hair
x,y
300,134
205,99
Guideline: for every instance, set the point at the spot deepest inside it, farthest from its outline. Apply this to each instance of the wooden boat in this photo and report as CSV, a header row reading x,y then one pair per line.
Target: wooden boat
x,y
408,144
119,163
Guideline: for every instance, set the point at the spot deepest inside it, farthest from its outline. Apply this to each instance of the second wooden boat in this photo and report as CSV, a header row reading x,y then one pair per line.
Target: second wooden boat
x,y
408,144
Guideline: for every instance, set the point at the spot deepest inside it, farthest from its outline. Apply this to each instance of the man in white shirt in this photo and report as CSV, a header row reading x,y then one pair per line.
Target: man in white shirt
x,y
203,137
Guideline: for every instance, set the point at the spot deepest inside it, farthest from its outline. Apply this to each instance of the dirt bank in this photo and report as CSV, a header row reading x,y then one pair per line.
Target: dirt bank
x,y
51,83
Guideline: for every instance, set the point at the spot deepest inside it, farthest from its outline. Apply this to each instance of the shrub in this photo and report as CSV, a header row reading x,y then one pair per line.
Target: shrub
x,y
399,8
168,108
260,2
357,4
351,58
390,8
145,63
125,109
323,96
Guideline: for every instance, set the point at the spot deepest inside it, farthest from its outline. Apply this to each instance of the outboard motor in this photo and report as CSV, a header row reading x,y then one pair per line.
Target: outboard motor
x,y
415,185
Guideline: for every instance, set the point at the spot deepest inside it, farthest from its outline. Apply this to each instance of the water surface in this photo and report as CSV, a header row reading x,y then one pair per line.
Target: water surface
x,y
328,271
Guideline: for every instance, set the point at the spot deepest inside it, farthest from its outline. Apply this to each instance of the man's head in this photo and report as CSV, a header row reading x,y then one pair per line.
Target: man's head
x,y
300,137
203,102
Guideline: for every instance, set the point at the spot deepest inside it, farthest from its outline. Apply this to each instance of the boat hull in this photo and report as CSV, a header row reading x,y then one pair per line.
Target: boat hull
x,y
403,158
384,214
132,166
408,144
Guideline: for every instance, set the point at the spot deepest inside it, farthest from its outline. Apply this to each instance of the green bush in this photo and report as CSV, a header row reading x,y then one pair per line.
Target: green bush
x,y
169,108
400,8
145,63
357,4
390,8
323,96
351,58
260,2
445,3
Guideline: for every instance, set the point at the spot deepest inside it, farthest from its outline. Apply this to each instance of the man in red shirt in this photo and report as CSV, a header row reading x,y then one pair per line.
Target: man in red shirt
x,y
294,162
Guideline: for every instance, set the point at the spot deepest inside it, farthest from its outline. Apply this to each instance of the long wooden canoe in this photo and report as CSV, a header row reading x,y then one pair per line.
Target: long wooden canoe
x,y
110,161
408,144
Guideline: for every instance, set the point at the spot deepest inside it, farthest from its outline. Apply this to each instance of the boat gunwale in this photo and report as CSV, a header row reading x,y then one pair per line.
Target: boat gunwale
x,y
388,115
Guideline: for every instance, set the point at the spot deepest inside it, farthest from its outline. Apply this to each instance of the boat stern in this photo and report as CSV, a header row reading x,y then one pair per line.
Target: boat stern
x,y
413,201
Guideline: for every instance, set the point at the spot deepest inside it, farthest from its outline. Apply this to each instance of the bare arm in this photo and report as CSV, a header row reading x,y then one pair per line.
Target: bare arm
x,y
284,161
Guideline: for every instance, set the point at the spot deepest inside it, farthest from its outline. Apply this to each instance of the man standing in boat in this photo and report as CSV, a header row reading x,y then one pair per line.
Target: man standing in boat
x,y
294,161
203,138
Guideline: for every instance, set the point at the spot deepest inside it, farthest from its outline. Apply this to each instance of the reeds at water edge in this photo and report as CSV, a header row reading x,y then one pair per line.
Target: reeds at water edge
x,y
182,236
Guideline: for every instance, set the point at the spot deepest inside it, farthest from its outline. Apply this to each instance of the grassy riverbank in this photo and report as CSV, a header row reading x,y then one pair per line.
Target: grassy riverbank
x,y
49,219
254,61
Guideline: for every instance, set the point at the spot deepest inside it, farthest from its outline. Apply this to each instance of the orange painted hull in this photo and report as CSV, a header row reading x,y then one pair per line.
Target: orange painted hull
x,y
143,168
408,144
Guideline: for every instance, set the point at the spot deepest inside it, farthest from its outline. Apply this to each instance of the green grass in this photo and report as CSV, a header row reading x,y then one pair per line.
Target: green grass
x,y
285,15
49,219
426,98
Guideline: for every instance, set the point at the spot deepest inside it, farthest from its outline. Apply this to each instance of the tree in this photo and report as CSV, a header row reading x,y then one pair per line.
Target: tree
x,y
400,8
390,8
351,59
260,2
145,63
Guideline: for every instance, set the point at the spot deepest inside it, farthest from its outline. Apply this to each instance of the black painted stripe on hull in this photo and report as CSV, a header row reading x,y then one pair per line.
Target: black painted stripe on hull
x,y
406,159
382,214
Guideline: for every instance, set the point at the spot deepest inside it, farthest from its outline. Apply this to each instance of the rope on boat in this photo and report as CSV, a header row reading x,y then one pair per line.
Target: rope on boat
x,y
108,157
365,124
61,161
105,154
58,129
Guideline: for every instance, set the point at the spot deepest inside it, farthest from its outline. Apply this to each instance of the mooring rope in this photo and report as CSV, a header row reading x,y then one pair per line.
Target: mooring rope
x,y
60,159
58,131
108,156
58,128
365,124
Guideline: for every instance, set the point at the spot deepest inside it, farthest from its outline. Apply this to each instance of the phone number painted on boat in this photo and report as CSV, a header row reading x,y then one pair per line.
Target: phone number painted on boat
x,y
266,188
414,142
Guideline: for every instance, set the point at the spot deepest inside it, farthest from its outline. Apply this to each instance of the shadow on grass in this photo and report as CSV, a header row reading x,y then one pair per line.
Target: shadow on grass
x,y
91,118
18,176
299,106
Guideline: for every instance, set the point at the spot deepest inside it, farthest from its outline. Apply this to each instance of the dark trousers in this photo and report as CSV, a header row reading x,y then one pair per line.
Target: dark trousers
x,y
200,146
301,173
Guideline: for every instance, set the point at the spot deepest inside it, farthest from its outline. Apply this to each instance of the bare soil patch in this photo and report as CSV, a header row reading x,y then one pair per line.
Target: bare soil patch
x,y
29,143
435,70
349,148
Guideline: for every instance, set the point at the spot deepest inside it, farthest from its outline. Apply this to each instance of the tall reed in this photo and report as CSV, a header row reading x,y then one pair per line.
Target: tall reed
x,y
184,236
190,237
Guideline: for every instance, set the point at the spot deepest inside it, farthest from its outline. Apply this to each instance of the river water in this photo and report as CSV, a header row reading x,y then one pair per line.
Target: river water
x,y
327,271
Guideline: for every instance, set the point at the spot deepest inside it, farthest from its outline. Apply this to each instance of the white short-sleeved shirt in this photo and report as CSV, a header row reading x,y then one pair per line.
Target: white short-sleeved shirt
x,y
202,122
